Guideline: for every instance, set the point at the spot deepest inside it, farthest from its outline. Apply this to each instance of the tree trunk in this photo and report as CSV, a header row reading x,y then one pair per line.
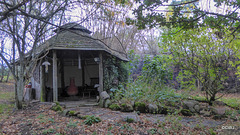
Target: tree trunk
x,y
2,71
8,73
16,94
20,87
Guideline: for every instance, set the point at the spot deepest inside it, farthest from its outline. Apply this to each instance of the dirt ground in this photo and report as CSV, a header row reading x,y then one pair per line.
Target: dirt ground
x,y
38,118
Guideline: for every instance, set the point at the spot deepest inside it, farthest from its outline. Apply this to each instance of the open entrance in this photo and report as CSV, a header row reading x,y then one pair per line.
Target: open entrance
x,y
77,75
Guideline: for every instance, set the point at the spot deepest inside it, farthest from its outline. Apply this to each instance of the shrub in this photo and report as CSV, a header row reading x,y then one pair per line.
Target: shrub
x,y
114,107
92,119
85,117
48,131
129,120
57,107
123,105
72,124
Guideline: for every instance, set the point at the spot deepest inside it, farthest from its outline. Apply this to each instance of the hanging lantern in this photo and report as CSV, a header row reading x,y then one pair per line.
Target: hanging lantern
x,y
97,60
46,64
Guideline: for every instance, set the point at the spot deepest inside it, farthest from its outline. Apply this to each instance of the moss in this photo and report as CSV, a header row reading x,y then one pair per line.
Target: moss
x,y
140,104
71,113
126,107
123,105
85,117
114,107
57,103
57,108
130,120
186,112
141,107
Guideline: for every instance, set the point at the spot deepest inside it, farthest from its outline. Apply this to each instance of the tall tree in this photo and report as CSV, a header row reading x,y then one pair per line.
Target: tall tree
x,y
204,57
187,14
28,26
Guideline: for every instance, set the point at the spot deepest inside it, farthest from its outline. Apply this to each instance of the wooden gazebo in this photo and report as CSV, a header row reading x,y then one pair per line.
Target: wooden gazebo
x,y
71,53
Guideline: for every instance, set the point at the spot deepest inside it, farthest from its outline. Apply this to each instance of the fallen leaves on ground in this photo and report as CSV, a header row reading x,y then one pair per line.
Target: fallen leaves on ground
x,y
40,119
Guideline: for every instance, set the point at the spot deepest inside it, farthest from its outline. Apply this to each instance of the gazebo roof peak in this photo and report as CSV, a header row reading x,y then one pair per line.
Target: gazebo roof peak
x,y
72,26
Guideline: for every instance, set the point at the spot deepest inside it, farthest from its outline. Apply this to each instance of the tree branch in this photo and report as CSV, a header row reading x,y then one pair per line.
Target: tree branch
x,y
6,13
184,3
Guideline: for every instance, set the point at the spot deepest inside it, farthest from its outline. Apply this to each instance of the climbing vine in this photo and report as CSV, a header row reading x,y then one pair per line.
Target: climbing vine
x,y
114,72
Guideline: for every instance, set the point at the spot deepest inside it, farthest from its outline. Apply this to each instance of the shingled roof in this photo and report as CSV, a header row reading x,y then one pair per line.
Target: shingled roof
x,y
73,36
72,26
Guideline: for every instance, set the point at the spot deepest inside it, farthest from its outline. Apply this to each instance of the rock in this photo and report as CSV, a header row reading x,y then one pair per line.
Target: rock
x,y
103,98
104,95
152,108
171,110
53,104
141,107
115,107
138,113
219,103
126,107
130,118
132,103
123,100
234,118
107,103
191,105
197,108
79,116
162,109
76,113
205,113
186,112
101,103
65,112
218,111
98,98
233,90
34,101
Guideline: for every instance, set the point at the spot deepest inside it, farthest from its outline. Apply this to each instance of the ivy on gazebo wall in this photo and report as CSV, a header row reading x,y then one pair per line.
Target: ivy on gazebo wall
x,y
114,72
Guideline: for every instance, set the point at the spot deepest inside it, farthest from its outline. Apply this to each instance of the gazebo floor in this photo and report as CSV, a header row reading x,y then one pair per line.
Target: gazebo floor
x,y
70,103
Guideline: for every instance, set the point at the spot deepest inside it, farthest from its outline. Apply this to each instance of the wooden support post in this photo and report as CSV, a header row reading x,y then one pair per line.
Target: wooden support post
x,y
42,83
100,73
55,78
62,74
83,72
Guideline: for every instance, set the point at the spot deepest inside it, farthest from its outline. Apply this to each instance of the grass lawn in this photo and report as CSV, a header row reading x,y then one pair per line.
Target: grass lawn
x,y
6,99
232,100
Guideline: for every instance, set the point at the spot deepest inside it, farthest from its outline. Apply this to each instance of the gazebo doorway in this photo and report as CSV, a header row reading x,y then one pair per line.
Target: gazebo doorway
x,y
77,75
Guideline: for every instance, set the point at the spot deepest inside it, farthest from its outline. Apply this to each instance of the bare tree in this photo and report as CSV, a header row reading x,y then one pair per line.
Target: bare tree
x,y
27,26
107,20
2,68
